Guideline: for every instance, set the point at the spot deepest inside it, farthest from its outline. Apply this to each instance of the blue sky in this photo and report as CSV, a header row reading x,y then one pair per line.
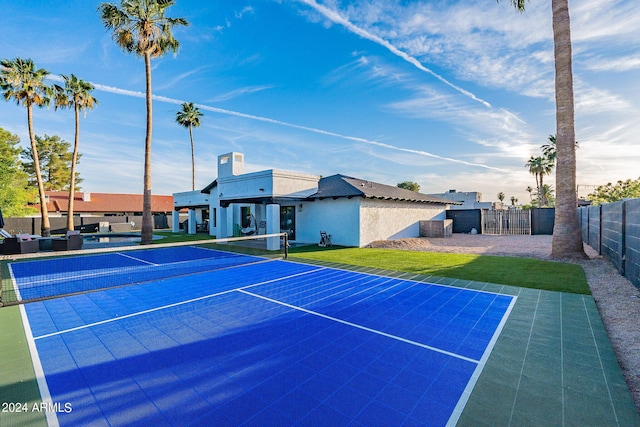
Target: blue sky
x,y
449,94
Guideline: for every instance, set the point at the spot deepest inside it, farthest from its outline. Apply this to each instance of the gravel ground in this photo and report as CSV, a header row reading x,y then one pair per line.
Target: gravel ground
x,y
617,299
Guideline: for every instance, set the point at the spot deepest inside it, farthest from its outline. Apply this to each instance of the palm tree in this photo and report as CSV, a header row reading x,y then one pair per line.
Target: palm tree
x,y
75,94
21,81
539,167
546,195
189,117
549,149
140,27
567,235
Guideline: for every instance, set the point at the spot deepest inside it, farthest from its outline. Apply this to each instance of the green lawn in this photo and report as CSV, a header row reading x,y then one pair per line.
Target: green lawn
x,y
523,272
171,237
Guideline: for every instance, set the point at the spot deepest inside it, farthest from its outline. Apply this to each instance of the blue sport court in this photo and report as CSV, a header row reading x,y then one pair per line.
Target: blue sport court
x,y
206,337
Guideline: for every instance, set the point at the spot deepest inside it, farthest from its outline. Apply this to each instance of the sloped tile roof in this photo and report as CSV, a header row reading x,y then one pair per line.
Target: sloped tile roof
x,y
106,202
336,186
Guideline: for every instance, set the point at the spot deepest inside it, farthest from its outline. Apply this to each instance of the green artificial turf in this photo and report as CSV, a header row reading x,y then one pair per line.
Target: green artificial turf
x,y
513,271
170,237
19,393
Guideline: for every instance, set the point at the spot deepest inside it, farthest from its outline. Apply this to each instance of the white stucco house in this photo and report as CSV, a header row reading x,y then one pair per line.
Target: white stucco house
x,y
353,211
467,199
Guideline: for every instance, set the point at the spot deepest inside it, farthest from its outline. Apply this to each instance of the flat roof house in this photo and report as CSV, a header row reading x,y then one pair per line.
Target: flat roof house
x,y
353,211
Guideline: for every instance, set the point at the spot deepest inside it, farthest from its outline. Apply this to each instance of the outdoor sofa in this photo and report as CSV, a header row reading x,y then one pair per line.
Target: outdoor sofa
x,y
20,244
70,242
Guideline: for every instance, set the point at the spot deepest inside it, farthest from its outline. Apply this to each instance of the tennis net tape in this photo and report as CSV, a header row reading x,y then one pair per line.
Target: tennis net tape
x,y
53,274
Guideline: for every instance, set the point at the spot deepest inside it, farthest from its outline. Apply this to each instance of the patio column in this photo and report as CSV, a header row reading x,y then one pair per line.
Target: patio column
x,y
192,221
175,221
221,223
273,226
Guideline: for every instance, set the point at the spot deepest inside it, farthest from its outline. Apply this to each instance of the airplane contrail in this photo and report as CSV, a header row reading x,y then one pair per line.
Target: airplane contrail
x,y
338,19
138,94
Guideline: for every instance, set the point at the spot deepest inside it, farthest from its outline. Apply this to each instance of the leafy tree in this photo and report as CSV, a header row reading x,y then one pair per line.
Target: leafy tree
x,y
55,159
567,235
613,192
22,82
409,185
75,94
189,117
15,191
141,27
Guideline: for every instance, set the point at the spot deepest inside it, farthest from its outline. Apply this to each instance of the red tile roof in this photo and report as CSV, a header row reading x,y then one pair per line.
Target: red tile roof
x,y
105,202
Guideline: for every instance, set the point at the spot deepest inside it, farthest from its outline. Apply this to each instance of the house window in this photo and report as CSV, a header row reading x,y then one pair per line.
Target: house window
x,y
288,221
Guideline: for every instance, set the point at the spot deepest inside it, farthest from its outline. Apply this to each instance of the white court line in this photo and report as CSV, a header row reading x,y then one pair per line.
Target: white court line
x,y
364,328
466,394
138,259
417,281
14,283
127,316
457,410
45,394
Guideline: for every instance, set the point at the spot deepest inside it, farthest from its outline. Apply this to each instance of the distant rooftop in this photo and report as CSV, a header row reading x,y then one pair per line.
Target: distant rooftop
x,y
336,186
85,202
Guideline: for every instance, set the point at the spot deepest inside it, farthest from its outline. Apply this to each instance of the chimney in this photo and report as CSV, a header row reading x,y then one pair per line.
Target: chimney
x,y
86,197
230,164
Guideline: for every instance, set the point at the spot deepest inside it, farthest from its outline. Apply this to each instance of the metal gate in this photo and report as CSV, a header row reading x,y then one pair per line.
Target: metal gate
x,y
512,221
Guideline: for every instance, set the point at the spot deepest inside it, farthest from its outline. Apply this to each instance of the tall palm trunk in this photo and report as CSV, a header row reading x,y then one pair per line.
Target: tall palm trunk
x,y
72,179
567,238
193,161
147,223
45,228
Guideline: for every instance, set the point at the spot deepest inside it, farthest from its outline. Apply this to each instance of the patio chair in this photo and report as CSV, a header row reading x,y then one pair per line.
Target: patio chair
x,y
325,239
251,229
72,241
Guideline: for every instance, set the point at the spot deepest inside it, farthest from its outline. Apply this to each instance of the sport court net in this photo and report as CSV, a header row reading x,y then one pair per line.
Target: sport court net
x,y
54,274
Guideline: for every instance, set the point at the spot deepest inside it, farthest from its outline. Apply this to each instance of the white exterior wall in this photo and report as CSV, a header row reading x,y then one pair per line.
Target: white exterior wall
x,y
269,183
340,218
190,198
195,201
389,220
291,184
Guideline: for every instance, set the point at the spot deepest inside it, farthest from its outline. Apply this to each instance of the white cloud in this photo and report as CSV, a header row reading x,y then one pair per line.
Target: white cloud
x,y
239,92
240,14
180,77
355,139
335,17
619,64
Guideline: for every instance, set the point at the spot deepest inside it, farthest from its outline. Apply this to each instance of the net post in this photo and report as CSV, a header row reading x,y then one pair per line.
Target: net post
x,y
286,245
